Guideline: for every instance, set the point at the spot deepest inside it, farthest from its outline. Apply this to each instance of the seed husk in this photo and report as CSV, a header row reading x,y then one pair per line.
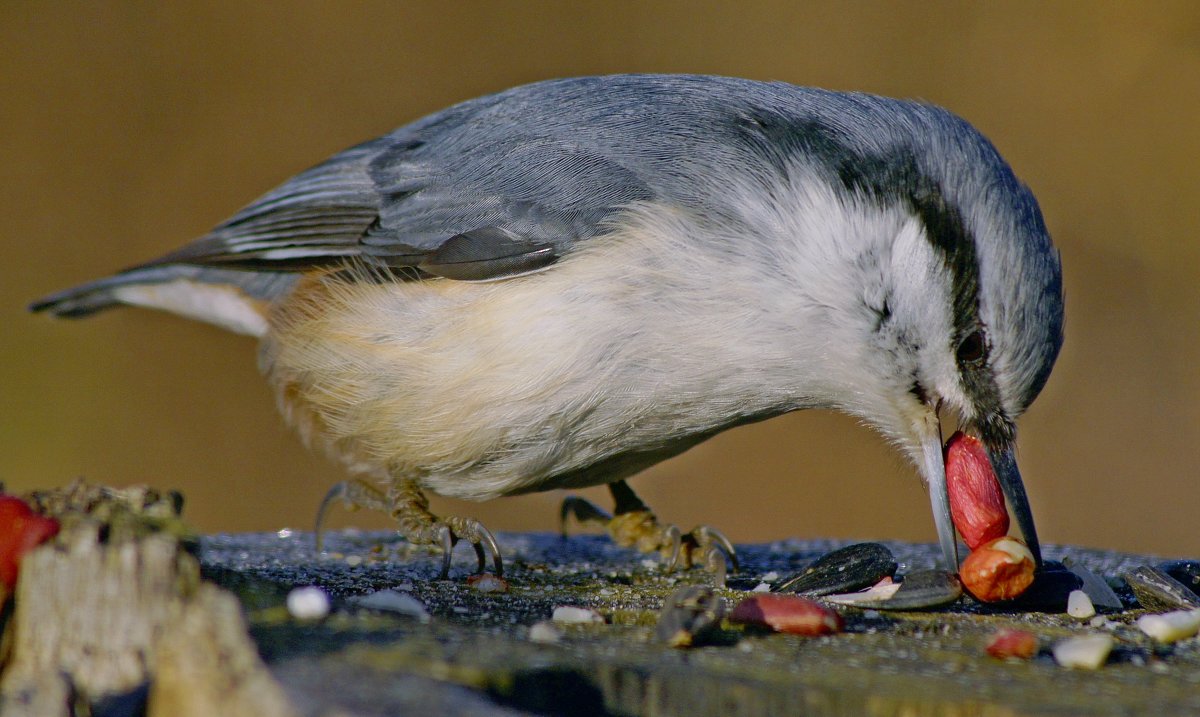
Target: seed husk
x,y
1051,589
691,616
1156,590
845,570
1185,571
1101,595
920,590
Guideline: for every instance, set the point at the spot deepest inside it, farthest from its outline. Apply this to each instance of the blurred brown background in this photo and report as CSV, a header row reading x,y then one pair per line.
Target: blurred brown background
x,y
128,129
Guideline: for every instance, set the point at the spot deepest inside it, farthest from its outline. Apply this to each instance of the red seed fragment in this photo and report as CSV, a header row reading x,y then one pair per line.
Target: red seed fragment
x,y
787,613
998,570
21,530
1012,643
976,503
488,583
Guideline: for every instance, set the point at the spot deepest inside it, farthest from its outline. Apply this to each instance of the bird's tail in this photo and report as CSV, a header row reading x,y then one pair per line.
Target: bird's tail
x,y
230,298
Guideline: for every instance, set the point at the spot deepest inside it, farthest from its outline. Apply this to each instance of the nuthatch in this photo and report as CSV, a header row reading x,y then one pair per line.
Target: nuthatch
x,y
564,283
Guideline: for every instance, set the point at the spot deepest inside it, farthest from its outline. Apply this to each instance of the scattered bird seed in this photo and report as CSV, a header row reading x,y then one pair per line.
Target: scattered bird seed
x,y
544,632
488,583
1052,586
1156,590
395,601
308,603
1101,595
787,613
1080,605
690,616
1012,644
921,590
568,615
882,590
1088,652
1171,626
847,569
1185,571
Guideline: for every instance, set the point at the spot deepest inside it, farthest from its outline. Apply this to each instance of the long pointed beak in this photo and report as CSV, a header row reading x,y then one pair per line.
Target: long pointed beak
x,y
933,465
1013,488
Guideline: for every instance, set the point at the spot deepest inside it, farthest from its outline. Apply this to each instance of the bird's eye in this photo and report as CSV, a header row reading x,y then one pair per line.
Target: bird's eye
x,y
972,348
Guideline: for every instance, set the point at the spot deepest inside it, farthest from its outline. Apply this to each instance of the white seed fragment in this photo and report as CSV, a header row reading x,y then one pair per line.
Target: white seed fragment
x,y
1171,626
770,577
308,603
284,533
1080,605
1087,653
576,615
544,632
880,591
394,601
761,588
354,560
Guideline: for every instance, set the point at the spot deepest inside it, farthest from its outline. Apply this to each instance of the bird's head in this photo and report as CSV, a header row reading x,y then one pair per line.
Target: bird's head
x,y
963,314
926,281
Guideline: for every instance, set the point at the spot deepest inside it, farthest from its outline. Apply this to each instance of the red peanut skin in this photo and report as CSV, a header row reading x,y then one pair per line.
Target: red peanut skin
x,y
788,613
976,503
1013,643
21,530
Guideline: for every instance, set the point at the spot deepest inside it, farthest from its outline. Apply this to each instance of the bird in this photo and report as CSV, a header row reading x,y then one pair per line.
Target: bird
x,y
563,283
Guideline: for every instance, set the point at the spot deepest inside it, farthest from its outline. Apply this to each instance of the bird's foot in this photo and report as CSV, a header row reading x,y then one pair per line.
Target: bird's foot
x,y
635,525
410,508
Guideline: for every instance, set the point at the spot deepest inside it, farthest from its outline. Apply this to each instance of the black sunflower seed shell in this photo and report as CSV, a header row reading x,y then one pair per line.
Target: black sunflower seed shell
x,y
844,570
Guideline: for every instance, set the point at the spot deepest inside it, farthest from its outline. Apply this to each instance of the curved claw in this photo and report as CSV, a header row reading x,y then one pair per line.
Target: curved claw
x,y
709,536
672,532
339,490
488,541
714,563
446,538
473,532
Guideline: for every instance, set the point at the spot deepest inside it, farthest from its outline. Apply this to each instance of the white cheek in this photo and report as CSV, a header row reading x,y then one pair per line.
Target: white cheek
x,y
924,296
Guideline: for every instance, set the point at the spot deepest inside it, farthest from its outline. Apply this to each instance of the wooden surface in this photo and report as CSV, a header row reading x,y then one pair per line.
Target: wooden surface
x,y
885,664
124,613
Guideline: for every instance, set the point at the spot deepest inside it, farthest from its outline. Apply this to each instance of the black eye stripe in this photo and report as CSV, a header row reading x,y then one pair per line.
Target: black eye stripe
x,y
896,178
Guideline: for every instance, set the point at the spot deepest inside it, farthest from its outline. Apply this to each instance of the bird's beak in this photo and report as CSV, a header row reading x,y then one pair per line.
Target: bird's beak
x,y
1013,488
933,466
